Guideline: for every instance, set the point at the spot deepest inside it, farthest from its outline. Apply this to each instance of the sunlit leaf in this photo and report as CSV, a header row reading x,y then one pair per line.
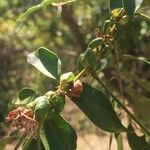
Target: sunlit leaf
x,y
46,62
44,3
33,9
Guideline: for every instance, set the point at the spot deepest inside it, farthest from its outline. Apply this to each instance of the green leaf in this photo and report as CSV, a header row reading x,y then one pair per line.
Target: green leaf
x,y
91,57
5,141
27,93
60,134
95,43
33,9
137,142
46,62
131,6
94,61
44,3
141,105
138,4
106,26
25,96
98,109
114,4
143,83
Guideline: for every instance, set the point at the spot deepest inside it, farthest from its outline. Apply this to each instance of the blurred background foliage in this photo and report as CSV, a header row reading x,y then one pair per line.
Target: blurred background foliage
x,y
66,30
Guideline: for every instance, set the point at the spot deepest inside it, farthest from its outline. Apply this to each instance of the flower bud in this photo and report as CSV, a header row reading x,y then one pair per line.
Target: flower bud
x,y
76,88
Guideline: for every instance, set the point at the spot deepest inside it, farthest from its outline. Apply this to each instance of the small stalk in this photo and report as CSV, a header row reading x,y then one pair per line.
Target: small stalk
x,y
143,16
82,73
120,103
20,142
110,141
27,143
38,142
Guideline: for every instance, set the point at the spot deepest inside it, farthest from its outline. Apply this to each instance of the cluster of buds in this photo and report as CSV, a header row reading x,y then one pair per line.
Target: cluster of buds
x,y
22,118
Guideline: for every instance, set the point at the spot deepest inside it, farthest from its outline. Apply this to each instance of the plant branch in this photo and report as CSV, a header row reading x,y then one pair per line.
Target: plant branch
x,y
143,16
118,101
82,73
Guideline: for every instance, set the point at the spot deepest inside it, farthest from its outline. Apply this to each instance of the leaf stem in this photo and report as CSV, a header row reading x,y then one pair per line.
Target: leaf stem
x,y
82,73
20,142
27,143
120,103
38,142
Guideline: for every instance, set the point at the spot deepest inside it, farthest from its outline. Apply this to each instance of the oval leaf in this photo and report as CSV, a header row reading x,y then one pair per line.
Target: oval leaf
x,y
25,96
26,93
95,43
33,9
46,62
60,134
98,109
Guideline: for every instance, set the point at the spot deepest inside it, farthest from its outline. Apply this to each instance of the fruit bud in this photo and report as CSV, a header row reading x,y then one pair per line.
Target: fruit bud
x,y
76,88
